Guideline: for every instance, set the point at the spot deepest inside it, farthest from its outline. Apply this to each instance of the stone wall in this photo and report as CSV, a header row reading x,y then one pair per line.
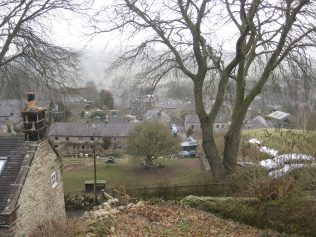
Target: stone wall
x,y
41,198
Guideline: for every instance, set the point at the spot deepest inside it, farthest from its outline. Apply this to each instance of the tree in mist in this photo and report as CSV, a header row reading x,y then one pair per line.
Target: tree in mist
x,y
185,35
25,46
91,92
177,90
106,98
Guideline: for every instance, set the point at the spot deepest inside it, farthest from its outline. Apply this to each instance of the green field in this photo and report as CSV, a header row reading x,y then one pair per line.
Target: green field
x,y
128,172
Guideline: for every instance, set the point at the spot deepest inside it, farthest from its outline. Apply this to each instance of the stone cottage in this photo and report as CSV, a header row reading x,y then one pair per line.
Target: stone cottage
x,y
31,188
72,138
221,123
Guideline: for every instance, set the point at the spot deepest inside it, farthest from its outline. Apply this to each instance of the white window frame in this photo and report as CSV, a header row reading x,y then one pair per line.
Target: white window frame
x,y
4,159
53,179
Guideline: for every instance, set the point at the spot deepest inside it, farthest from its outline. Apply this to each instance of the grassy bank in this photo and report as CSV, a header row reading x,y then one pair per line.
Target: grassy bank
x,y
292,215
284,140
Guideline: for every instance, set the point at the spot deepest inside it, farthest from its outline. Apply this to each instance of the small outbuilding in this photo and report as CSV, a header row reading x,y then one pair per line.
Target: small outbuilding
x,y
279,119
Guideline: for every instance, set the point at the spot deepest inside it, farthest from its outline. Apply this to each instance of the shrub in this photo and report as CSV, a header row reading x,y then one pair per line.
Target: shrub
x,y
305,178
60,228
83,202
254,182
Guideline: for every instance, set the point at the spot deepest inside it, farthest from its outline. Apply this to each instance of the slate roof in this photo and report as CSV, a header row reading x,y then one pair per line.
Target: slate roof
x,y
191,118
11,109
117,119
121,119
168,105
13,148
278,115
258,122
75,129
152,115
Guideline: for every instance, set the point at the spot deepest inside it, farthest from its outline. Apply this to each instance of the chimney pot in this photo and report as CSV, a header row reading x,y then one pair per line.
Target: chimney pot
x,y
30,96
31,100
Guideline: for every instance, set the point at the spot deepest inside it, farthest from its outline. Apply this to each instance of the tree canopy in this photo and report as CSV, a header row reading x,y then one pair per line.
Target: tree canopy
x,y
25,44
223,42
151,140
106,98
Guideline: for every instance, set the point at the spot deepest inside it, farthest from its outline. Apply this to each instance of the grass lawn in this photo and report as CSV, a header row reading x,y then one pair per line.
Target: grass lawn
x,y
128,172
283,140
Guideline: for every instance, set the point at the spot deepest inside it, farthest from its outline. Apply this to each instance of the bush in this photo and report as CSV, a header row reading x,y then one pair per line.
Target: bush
x,y
254,182
294,215
252,153
305,178
83,202
60,228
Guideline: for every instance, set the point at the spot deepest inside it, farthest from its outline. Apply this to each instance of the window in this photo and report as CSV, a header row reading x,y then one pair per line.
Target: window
x,y
3,160
217,125
92,138
83,147
192,126
73,146
67,138
56,138
53,179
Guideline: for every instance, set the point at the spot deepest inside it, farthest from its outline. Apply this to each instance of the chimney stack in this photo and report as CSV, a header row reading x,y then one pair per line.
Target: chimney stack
x,y
31,100
34,120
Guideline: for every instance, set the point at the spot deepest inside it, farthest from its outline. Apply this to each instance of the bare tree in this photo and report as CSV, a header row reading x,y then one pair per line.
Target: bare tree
x,y
25,45
302,117
264,34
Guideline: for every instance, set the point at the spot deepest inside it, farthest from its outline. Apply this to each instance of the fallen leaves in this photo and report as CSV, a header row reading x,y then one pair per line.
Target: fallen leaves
x,y
176,220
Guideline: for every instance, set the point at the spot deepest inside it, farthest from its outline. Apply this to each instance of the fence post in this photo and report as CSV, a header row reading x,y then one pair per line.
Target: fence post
x,y
144,193
174,191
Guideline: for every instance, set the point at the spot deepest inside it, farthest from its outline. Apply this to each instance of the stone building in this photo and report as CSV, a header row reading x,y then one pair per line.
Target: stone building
x,y
279,119
74,138
221,123
31,188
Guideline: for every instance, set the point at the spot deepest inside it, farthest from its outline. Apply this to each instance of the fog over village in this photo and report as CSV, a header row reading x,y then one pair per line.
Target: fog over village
x,y
157,118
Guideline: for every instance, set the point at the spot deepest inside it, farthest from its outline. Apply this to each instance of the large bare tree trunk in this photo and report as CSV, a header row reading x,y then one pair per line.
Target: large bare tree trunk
x,y
231,147
211,151
208,142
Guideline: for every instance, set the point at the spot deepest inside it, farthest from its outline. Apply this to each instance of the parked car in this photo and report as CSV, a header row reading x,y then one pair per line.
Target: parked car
x,y
184,154
111,160
192,153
